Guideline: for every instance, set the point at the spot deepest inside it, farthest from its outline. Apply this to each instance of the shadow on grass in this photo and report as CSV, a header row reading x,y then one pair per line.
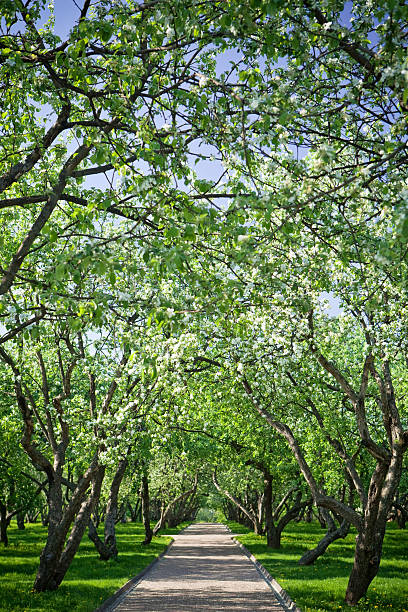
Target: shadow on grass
x,y
237,528
88,582
322,586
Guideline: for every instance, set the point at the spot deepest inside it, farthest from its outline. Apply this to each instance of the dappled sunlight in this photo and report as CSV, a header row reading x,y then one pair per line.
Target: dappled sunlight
x,y
88,582
190,578
322,585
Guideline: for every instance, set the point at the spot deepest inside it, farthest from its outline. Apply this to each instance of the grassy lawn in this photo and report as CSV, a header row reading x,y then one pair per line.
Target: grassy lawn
x,y
88,582
322,586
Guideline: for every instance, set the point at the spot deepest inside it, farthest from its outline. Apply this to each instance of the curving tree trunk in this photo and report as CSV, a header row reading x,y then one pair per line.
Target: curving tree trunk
x,y
107,548
331,536
166,511
385,479
69,517
251,516
369,542
58,551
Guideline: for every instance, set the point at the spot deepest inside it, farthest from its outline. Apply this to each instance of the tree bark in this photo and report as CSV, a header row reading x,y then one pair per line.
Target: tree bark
x,y
270,529
367,557
97,541
332,535
20,520
3,524
174,501
107,548
112,508
145,497
366,565
55,559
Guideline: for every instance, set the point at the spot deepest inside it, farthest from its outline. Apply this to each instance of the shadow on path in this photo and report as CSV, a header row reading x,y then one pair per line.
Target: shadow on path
x,y
203,570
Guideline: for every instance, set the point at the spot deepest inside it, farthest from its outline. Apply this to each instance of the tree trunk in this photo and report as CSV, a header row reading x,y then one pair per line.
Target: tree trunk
x,y
321,519
272,537
383,485
145,497
112,509
107,548
3,525
366,564
252,518
96,516
310,556
401,518
275,539
163,518
134,511
45,519
79,527
20,520
55,559
98,542
122,516
33,516
400,515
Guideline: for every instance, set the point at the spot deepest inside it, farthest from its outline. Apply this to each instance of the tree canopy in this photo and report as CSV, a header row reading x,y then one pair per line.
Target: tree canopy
x,y
203,261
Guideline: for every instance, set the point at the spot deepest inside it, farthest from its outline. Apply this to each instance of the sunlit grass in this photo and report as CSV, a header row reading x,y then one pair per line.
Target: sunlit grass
x,y
88,582
316,588
322,586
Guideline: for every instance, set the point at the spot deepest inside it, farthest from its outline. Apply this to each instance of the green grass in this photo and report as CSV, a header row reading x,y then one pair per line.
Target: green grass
x,y
322,586
88,582
237,528
315,589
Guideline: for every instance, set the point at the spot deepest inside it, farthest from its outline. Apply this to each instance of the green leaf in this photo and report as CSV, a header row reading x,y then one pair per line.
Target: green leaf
x,y
189,233
60,272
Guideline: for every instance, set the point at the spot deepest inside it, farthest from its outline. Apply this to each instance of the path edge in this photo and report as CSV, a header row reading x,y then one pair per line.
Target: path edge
x,y
114,599
281,595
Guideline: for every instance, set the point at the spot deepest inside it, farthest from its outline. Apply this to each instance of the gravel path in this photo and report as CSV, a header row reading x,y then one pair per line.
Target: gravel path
x,y
203,570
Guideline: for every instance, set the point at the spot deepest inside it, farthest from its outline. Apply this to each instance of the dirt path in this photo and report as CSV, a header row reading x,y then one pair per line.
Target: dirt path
x,y
203,570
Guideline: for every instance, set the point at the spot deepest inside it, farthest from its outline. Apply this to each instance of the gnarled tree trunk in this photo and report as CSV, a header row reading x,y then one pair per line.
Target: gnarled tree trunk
x,y
367,557
174,501
57,555
332,535
251,516
385,478
107,548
